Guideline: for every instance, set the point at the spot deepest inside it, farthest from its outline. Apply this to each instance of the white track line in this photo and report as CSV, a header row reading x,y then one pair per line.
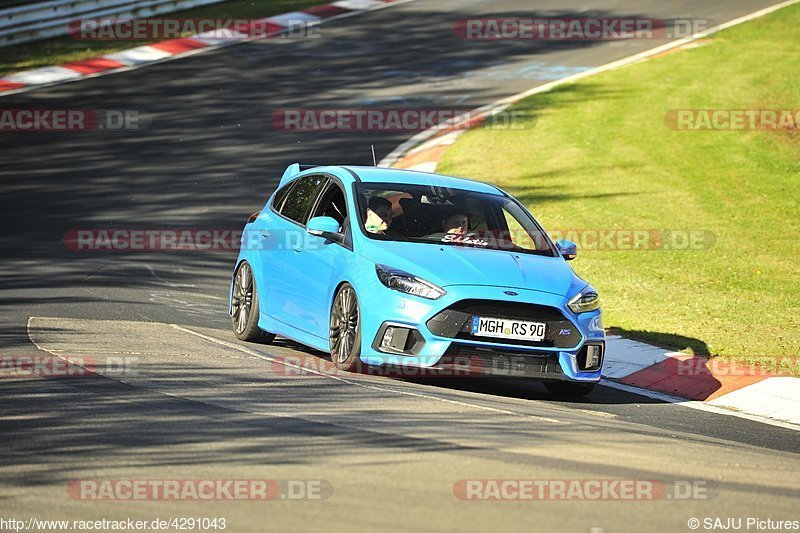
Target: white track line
x,y
499,105
700,406
290,416
358,384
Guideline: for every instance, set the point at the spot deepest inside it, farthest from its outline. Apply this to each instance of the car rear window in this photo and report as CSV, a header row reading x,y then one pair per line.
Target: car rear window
x,y
298,201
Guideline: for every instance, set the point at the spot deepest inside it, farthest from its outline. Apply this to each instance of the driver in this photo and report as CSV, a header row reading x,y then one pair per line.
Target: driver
x,y
454,222
379,215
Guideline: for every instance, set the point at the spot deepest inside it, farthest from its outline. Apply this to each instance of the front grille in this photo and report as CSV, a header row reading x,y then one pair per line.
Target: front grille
x,y
454,322
488,362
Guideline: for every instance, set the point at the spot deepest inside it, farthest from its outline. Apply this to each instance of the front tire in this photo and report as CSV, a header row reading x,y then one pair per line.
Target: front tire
x,y
244,307
569,390
345,329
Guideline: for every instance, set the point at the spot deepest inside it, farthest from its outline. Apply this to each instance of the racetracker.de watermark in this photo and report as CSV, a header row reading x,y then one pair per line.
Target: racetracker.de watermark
x,y
577,29
220,239
742,366
181,523
423,366
396,119
71,120
732,119
599,239
217,29
159,240
580,489
199,489
66,366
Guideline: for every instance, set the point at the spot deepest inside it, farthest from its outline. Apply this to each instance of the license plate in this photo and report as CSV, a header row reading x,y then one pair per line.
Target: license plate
x,y
507,329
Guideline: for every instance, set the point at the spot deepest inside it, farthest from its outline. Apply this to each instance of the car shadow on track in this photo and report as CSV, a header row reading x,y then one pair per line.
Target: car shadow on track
x,y
304,359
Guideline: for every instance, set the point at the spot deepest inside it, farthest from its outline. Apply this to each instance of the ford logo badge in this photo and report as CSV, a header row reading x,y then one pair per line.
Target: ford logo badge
x,y
511,293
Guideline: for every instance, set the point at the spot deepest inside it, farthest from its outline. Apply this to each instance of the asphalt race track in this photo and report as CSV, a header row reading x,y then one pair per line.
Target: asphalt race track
x,y
194,403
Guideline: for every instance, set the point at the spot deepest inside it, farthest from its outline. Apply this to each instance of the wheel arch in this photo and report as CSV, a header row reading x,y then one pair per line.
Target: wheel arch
x,y
335,290
255,269
236,266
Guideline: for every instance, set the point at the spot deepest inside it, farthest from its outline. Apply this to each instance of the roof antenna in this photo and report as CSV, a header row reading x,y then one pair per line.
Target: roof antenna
x,y
374,163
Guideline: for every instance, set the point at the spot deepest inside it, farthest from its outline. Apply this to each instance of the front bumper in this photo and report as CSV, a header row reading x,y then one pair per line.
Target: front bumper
x,y
451,350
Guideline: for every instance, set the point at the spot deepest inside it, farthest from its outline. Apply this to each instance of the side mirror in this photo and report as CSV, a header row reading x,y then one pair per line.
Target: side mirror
x,y
567,249
325,227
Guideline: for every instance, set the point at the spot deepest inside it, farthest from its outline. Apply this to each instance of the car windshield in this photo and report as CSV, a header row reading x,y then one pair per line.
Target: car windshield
x,y
446,216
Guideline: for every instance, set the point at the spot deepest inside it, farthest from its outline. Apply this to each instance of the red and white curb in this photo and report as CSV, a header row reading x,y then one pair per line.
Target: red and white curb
x,y
696,382
176,48
713,383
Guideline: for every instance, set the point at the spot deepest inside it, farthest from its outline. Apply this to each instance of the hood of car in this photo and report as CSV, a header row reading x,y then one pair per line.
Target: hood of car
x,y
458,265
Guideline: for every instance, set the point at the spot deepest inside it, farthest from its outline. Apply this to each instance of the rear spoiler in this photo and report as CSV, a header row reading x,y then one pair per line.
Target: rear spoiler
x,y
293,170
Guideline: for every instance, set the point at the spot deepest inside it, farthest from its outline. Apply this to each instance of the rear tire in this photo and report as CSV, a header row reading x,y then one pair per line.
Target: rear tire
x,y
345,330
244,307
569,390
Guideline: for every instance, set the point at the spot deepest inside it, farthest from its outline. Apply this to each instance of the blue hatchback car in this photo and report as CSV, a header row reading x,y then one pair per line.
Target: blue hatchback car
x,y
398,268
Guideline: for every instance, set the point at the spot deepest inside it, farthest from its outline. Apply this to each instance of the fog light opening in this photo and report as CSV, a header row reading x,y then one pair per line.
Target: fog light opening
x,y
398,339
590,358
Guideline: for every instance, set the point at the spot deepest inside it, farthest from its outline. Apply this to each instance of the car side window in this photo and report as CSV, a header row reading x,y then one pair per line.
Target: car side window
x,y
299,199
332,204
280,196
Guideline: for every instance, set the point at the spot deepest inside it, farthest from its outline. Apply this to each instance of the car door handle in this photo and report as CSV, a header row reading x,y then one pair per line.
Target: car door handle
x,y
265,233
297,247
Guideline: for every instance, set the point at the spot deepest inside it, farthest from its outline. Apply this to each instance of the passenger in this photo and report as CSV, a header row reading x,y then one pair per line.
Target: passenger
x,y
379,215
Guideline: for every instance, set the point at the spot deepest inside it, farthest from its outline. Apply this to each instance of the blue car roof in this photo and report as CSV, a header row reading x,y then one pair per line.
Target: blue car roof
x,y
389,175
413,177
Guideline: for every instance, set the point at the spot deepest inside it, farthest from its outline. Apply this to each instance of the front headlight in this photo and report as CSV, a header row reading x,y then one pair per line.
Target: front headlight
x,y
586,300
408,283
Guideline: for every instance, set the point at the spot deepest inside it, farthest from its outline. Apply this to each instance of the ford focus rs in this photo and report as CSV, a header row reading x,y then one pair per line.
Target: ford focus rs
x,y
394,267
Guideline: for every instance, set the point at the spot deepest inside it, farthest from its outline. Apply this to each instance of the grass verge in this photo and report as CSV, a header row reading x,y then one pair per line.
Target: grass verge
x,y
597,154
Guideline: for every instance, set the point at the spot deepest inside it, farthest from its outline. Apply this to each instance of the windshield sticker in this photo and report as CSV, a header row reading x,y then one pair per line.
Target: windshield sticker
x,y
464,239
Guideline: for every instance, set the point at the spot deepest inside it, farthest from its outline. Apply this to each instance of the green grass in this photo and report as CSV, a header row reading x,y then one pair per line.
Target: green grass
x,y
599,155
65,49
